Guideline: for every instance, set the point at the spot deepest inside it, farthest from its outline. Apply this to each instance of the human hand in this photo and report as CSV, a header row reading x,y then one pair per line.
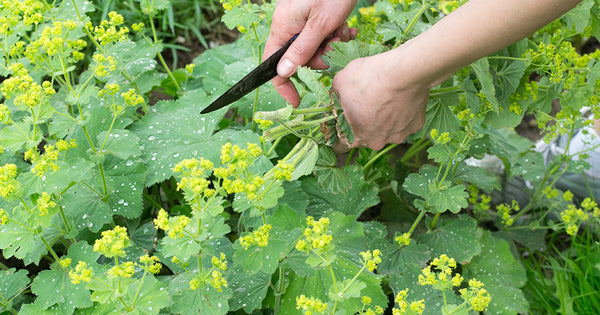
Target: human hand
x,y
318,22
380,105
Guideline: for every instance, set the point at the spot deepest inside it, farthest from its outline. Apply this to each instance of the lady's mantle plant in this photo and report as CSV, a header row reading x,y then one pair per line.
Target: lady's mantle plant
x,y
111,204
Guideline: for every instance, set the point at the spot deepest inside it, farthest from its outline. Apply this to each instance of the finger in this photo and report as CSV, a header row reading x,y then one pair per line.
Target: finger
x,y
287,90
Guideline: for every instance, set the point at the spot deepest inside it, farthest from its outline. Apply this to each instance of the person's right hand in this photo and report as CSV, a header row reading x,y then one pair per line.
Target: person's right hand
x,y
317,22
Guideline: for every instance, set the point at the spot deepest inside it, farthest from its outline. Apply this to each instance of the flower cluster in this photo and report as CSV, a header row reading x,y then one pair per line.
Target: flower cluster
x,y
366,301
476,295
504,212
124,270
9,185
113,242
151,264
310,305
406,307
214,276
228,5
316,236
403,239
3,217
573,217
441,278
26,92
442,138
104,65
174,226
193,181
371,259
258,237
41,163
54,41
44,203
283,171
480,202
107,33
81,273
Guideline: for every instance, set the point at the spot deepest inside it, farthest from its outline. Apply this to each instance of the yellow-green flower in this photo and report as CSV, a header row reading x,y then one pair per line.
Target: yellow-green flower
x,y
113,242
81,273
310,305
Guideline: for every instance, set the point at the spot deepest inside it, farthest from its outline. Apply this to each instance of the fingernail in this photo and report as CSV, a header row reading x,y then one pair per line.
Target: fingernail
x,y
286,68
345,32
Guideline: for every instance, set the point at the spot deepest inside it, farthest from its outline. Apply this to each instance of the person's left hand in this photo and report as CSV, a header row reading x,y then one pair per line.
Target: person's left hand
x,y
381,106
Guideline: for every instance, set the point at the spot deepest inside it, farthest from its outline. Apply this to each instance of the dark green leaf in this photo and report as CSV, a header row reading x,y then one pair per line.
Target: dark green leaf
x,y
502,275
457,238
354,201
12,283
482,71
249,290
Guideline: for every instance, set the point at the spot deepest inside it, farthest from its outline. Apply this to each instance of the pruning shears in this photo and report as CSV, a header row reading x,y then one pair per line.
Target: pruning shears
x,y
260,75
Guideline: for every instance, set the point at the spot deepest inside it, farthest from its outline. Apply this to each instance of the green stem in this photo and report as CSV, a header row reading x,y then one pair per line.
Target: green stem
x,y
417,220
435,219
160,57
377,156
52,252
279,291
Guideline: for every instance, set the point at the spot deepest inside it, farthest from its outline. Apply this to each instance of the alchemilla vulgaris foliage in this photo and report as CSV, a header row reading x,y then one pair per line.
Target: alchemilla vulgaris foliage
x,y
113,204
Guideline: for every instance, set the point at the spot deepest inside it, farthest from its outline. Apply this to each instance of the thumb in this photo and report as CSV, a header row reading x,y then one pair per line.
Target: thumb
x,y
300,52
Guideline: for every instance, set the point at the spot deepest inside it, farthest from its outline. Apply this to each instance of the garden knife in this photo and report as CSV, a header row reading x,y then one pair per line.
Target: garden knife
x,y
262,74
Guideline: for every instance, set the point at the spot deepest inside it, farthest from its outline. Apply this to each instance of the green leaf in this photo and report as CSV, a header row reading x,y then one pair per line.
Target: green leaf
x,y
481,68
240,16
509,77
344,52
531,166
175,130
86,208
439,115
330,177
502,275
143,235
579,17
125,185
437,197
19,135
55,287
204,300
310,78
354,201
457,238
190,243
150,7
352,290
477,176
12,283
257,258
151,298
50,282
396,259
249,290
21,242
70,9
120,143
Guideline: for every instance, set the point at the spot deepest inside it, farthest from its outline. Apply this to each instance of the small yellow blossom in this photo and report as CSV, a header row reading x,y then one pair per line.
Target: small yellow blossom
x,y
81,273
310,305
113,242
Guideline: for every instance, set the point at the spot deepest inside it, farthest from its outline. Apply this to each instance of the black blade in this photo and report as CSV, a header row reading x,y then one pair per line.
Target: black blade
x,y
262,74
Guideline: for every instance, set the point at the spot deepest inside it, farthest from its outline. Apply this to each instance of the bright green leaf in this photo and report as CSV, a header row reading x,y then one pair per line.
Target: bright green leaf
x,y
457,238
502,275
